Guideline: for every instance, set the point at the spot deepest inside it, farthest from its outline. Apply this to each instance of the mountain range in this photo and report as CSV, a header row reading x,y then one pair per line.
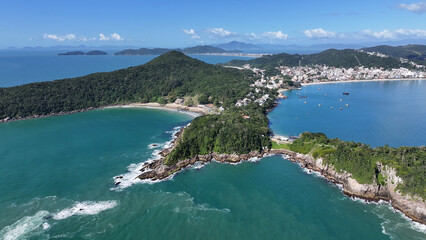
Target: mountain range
x,y
190,50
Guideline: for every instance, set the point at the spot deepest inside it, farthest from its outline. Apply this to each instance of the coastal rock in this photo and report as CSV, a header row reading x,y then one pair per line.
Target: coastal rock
x,y
413,207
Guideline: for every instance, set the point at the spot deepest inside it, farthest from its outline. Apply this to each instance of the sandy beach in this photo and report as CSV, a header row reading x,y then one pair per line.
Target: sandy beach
x,y
365,80
195,111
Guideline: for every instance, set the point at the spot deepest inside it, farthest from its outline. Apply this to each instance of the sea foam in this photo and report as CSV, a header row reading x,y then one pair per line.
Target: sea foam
x,y
31,226
129,178
84,208
25,227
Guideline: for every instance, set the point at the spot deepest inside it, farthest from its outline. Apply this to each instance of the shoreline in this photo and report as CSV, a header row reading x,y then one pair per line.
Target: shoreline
x,y
364,80
412,208
193,111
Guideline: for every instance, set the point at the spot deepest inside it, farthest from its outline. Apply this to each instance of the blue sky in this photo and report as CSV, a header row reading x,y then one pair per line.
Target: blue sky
x,y
180,23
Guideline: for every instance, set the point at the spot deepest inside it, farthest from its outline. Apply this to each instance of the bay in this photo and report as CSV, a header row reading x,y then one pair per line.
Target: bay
x,y
374,112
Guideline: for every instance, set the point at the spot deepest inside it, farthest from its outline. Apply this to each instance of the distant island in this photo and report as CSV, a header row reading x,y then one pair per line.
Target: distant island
x,y
206,49
235,126
74,53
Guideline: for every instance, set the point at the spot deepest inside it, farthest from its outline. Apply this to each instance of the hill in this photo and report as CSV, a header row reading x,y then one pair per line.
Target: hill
x,y
235,45
96,52
205,49
411,52
75,53
144,51
163,79
347,58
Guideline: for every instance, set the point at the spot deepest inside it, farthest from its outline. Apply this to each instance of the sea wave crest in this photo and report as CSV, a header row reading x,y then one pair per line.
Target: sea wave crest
x,y
85,208
25,227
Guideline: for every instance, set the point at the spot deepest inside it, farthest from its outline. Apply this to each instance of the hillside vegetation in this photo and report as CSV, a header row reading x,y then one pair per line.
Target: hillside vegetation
x,y
415,53
360,160
347,58
163,79
228,132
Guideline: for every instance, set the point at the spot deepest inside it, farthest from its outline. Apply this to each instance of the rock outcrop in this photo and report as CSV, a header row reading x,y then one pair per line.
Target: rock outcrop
x,y
414,208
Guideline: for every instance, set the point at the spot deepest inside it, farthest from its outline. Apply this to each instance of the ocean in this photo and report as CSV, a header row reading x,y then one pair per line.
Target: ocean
x,y
19,67
57,176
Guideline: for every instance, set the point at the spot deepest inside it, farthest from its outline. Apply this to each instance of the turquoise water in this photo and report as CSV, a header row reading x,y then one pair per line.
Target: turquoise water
x,y
57,183
21,67
378,113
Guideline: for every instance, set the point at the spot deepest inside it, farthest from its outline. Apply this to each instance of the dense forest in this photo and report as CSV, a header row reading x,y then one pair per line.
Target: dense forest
x,y
412,52
170,76
238,130
360,160
347,58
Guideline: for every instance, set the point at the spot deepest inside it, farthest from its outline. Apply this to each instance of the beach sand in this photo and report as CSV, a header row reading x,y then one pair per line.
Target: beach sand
x,y
194,110
366,80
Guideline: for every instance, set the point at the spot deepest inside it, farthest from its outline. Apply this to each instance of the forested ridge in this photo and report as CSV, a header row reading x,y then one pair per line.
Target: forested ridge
x,y
237,130
347,58
411,52
163,79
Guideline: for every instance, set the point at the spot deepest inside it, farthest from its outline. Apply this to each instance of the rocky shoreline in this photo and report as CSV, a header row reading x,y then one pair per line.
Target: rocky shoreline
x,y
411,207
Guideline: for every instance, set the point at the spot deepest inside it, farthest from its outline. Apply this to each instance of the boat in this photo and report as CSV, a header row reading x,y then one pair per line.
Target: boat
x,y
304,102
319,105
340,108
331,107
347,105
341,100
303,97
345,93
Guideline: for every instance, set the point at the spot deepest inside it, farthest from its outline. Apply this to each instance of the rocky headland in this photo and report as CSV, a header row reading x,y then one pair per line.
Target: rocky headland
x,y
412,207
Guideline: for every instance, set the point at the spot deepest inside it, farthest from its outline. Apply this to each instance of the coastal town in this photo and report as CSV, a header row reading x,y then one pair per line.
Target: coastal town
x,y
322,73
314,74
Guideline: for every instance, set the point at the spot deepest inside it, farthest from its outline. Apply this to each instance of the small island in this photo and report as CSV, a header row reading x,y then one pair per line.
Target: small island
x,y
76,53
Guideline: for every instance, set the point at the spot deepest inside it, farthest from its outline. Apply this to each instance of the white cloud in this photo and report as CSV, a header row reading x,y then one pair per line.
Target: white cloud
x,y
418,33
387,34
275,35
102,37
59,38
73,37
220,32
419,7
112,37
382,34
192,33
319,33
